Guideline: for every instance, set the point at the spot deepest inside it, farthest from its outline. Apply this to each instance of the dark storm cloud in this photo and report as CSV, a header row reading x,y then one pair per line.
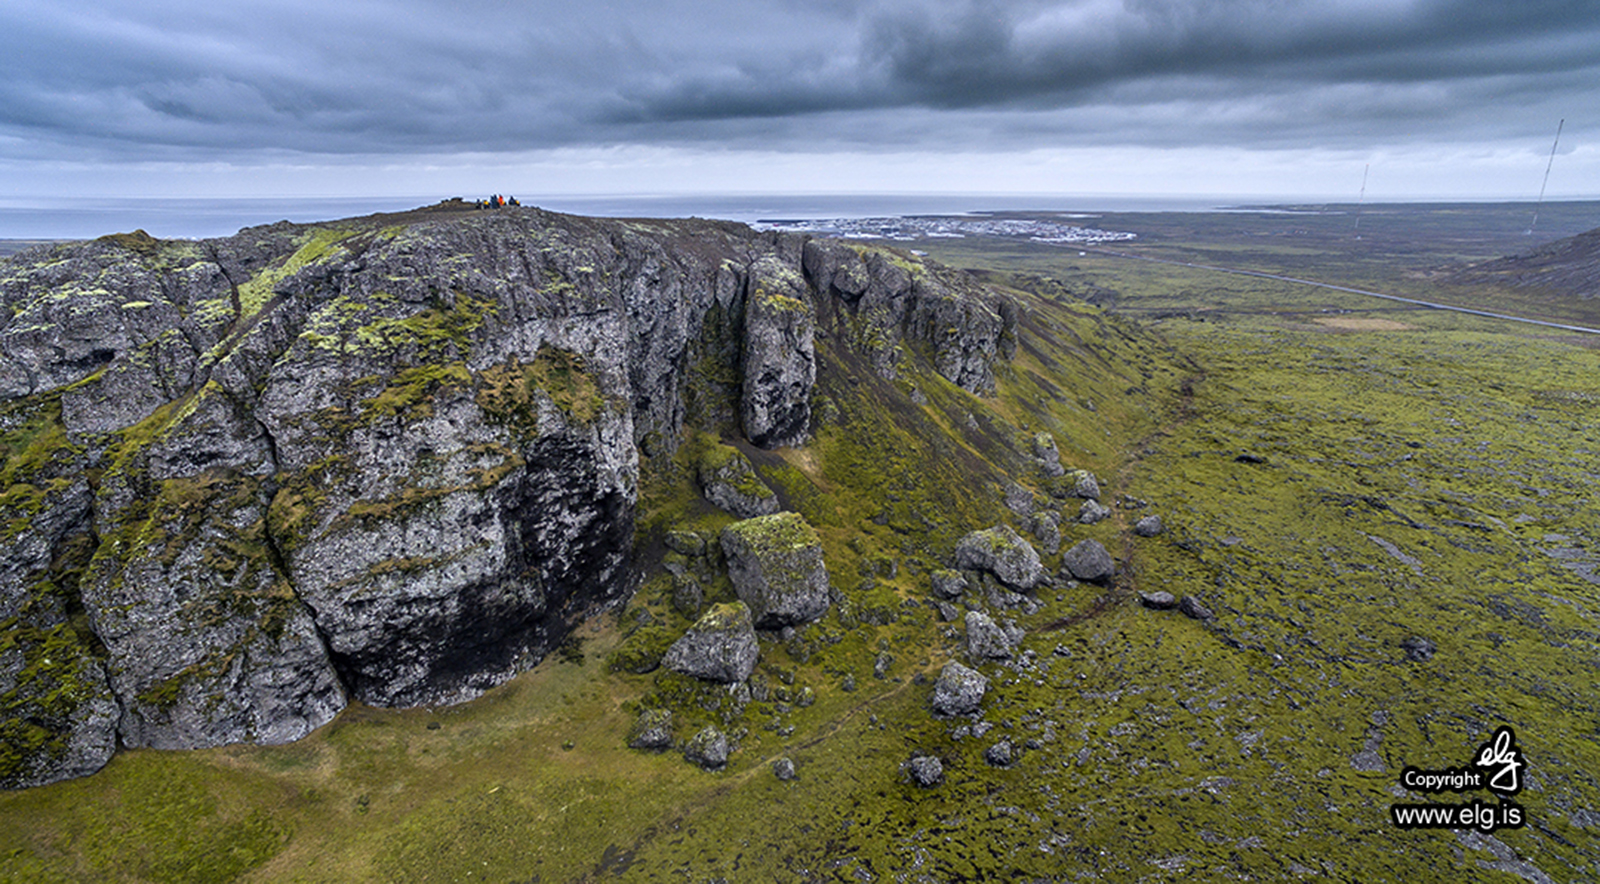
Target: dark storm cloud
x,y
184,77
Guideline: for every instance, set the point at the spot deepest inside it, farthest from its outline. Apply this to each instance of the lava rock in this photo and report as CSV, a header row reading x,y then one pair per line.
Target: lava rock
x,y
783,769
988,640
1158,600
1419,649
1149,526
720,647
1191,607
948,584
708,748
775,563
1088,560
1047,455
1092,511
1085,485
780,363
1001,754
728,480
653,730
959,690
1046,528
1005,554
926,771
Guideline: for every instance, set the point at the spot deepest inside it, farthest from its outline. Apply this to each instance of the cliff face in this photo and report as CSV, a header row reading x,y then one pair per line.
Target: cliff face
x,y
392,459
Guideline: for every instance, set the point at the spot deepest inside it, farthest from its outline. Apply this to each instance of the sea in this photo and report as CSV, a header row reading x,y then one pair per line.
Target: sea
x,y
23,218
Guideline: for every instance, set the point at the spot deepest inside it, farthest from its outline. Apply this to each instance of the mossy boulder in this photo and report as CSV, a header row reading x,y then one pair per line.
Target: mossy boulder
x,y
721,646
776,565
728,480
653,730
1005,554
959,690
1089,560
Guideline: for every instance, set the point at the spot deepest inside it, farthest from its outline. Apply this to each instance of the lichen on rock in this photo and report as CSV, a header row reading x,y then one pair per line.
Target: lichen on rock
x,y
776,565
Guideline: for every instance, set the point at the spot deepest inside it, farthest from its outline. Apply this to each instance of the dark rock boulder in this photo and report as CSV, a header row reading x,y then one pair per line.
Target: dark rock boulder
x,y
1085,485
1158,600
775,563
708,749
1149,526
728,480
1089,560
1001,754
783,769
1047,455
721,646
1419,649
926,771
1192,607
1093,511
948,584
653,730
1003,553
988,640
959,690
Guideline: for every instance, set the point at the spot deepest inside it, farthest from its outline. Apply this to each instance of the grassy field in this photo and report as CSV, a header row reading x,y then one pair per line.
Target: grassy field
x,y
1342,483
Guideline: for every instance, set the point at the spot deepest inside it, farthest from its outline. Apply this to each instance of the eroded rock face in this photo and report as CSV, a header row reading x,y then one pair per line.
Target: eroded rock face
x,y
392,462
775,563
1003,553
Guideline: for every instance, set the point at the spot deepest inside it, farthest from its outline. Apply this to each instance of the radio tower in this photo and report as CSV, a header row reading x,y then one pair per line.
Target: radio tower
x,y
1546,183
1362,198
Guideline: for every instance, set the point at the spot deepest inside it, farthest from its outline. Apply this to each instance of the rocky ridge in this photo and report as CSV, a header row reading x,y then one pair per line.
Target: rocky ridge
x,y
248,480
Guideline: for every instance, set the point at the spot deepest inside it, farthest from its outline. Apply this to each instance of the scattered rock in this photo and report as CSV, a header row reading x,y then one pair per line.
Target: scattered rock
x,y
1191,606
1046,528
1088,560
1250,458
1019,499
686,543
987,640
721,646
783,769
687,596
881,664
653,730
1048,456
948,584
728,480
1001,754
959,690
947,612
775,563
1149,526
1003,553
708,748
926,771
1092,511
1085,485
1158,600
1419,649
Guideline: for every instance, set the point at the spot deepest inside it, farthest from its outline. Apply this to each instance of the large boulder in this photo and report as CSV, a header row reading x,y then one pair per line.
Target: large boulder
x,y
988,640
1089,560
959,690
1003,553
775,563
708,748
721,646
728,480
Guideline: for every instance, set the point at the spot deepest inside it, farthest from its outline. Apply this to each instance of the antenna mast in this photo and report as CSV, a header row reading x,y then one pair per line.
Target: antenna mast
x,y
1362,198
1546,183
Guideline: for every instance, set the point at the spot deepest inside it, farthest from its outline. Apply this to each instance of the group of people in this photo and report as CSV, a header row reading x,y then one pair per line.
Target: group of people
x,y
498,202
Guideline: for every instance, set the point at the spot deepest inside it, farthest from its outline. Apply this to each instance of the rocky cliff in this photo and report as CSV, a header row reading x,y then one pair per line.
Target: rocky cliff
x,y
391,459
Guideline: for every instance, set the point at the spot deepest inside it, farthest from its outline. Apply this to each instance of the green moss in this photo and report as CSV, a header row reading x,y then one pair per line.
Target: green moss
x,y
512,391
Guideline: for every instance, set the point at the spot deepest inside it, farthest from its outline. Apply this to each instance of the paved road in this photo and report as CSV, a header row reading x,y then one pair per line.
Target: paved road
x,y
1432,305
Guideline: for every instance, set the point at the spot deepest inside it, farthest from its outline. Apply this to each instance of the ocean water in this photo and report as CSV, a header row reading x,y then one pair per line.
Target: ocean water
x,y
194,218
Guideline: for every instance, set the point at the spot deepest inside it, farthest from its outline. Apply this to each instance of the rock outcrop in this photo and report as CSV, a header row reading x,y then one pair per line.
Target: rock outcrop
x,y
389,459
959,690
775,563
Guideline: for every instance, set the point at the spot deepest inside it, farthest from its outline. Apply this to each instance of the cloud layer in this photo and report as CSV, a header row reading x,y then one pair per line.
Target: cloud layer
x,y
184,80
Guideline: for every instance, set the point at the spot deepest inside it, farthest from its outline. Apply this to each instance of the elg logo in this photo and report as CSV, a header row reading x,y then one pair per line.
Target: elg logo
x,y
1501,755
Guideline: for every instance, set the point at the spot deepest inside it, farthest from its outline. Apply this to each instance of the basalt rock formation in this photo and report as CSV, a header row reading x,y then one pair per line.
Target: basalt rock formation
x,y
393,459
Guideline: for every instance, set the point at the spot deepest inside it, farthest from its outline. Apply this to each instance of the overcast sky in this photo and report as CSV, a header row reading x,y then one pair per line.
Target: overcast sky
x,y
1441,98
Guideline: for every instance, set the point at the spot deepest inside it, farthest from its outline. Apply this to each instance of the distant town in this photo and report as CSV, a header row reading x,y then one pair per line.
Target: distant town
x,y
915,227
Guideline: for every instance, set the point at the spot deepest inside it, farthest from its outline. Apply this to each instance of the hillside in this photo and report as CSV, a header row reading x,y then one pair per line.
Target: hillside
x,y
508,545
1567,268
